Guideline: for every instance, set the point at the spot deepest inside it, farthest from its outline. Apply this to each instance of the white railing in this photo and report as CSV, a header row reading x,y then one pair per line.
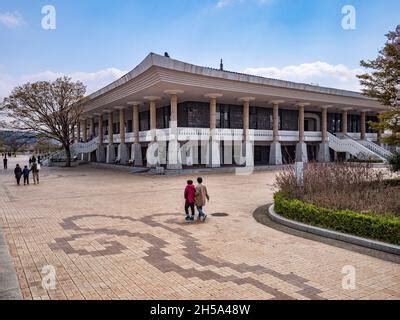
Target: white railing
x,y
368,136
351,146
386,154
85,147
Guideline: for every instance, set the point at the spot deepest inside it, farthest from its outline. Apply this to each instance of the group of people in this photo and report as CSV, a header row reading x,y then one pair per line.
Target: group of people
x,y
195,196
34,167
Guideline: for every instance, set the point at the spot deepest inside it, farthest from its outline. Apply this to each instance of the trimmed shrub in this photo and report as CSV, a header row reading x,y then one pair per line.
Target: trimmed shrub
x,y
383,228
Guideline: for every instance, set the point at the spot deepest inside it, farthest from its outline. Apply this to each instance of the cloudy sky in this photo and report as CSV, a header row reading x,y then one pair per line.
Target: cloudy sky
x,y
98,41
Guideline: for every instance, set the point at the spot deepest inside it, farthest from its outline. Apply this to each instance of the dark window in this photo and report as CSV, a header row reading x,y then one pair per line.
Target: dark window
x,y
289,120
194,114
334,122
353,123
144,120
163,117
129,126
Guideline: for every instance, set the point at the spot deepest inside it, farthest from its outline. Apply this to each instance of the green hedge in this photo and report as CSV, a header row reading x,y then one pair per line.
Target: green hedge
x,y
383,228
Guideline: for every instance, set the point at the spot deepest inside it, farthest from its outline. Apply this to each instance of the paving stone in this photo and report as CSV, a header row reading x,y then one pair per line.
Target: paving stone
x,y
110,234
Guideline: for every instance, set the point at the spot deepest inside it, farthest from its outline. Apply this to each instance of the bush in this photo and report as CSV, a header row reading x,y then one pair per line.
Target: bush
x,y
343,186
394,161
383,228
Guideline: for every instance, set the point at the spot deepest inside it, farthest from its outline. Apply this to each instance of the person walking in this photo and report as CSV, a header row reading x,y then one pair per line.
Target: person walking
x,y
18,173
5,161
25,173
201,198
35,172
189,194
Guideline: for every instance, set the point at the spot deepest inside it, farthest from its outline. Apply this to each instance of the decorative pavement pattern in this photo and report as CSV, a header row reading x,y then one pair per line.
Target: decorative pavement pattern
x,y
115,235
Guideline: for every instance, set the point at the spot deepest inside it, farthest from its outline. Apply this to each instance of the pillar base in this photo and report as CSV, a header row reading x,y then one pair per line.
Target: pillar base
x,y
100,153
174,156
301,152
323,153
110,154
136,155
275,154
249,150
214,155
152,155
123,153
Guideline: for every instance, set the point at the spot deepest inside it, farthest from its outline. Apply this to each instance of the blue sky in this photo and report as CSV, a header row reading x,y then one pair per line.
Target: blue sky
x,y
97,41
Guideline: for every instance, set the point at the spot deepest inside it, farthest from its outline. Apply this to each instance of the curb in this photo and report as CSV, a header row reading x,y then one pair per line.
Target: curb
x,y
371,244
9,286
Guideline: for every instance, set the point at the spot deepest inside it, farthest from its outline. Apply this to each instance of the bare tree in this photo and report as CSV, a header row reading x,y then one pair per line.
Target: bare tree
x,y
48,108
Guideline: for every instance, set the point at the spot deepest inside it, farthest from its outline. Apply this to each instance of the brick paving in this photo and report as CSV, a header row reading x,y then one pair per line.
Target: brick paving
x,y
115,235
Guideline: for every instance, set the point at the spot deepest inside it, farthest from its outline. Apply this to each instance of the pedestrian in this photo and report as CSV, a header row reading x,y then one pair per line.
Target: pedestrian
x,y
35,172
33,159
201,198
25,173
18,173
5,161
189,194
30,162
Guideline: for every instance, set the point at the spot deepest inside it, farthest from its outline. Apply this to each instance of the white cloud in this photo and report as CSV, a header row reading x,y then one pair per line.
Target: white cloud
x,y
11,20
321,73
92,80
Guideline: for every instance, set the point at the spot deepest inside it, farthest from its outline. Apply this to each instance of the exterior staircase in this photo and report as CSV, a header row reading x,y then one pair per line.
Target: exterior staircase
x,y
76,149
361,149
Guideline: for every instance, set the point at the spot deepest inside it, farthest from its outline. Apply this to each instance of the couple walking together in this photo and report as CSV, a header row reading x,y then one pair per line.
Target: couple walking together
x,y
195,196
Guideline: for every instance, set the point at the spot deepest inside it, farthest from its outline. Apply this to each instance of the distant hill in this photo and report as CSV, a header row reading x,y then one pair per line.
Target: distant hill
x,y
21,137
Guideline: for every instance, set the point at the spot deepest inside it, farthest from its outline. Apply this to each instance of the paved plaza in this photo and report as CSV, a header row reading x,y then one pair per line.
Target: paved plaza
x,y
115,235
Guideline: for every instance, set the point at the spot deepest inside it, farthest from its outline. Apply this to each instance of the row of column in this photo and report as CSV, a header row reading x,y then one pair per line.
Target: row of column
x,y
109,155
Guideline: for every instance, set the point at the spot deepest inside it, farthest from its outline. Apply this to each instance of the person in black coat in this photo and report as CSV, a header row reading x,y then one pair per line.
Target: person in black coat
x,y
18,173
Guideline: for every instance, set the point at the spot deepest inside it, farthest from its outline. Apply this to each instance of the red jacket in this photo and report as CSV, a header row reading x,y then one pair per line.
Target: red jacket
x,y
190,193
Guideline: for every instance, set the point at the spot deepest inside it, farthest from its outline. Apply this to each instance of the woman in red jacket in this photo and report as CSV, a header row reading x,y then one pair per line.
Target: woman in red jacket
x,y
190,193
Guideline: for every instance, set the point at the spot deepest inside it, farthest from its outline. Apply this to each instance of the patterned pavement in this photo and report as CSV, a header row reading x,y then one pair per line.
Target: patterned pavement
x,y
114,235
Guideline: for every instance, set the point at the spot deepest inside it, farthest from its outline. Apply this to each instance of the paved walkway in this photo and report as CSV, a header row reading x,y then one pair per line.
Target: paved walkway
x,y
112,235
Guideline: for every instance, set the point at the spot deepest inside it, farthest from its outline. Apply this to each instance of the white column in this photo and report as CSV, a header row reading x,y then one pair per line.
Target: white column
x,y
85,156
155,149
136,152
214,153
344,121
110,156
174,151
247,144
301,147
363,125
122,156
323,151
100,152
275,154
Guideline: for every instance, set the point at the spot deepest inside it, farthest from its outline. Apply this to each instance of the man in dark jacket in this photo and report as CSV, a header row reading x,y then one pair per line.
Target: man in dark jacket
x,y
18,173
5,160
25,173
